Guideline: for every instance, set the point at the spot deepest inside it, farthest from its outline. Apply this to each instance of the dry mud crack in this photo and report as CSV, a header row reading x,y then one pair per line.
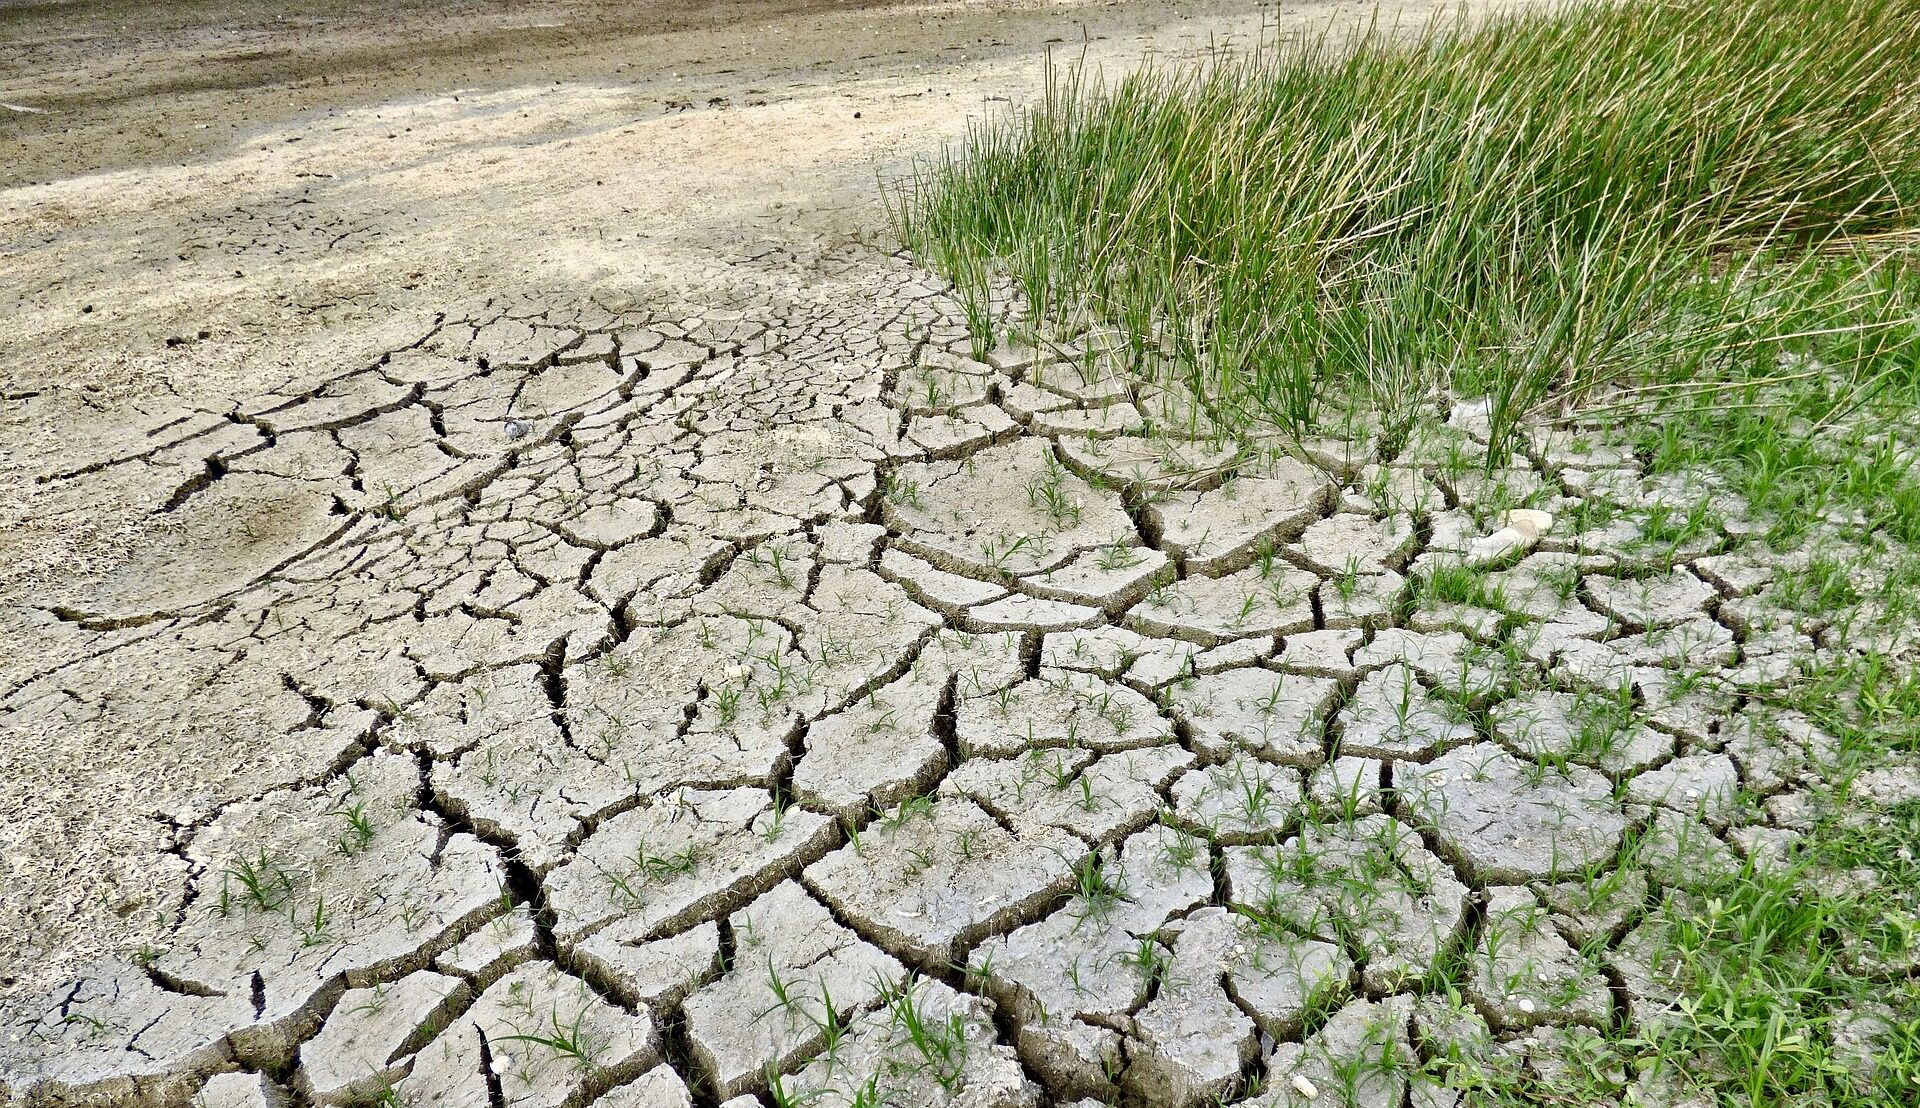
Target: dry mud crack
x,y
760,696
640,710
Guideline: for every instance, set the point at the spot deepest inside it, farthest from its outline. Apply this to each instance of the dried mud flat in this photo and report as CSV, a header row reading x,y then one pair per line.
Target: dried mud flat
x,y
709,680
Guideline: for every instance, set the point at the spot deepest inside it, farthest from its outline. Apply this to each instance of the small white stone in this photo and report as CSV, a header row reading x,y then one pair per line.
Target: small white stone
x,y
1304,1087
1530,521
1524,1004
1523,528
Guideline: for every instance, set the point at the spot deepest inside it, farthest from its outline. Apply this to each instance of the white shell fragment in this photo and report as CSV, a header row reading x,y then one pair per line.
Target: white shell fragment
x,y
1523,529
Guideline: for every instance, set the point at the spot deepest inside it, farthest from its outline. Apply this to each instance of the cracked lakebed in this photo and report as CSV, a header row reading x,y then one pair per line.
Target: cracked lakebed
x,y
608,707
705,681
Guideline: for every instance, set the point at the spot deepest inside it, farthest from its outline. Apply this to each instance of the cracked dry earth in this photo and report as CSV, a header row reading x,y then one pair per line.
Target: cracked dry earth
x,y
741,694
763,696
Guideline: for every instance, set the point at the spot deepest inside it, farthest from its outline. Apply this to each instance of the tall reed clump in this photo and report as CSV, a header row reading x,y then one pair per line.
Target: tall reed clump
x,y
1529,207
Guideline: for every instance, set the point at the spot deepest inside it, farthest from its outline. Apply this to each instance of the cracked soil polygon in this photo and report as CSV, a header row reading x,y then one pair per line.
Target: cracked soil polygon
x,y
751,685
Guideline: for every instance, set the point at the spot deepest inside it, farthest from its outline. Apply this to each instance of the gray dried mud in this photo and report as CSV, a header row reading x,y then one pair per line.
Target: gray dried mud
x,y
715,677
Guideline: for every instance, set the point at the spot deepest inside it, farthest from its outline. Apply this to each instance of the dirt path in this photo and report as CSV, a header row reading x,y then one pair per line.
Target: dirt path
x,y
494,545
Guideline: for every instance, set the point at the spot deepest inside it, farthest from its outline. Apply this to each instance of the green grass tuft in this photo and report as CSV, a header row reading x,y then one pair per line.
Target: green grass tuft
x,y
1531,208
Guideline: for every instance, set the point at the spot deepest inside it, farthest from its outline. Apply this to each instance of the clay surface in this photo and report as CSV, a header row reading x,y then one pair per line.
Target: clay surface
x,y
515,594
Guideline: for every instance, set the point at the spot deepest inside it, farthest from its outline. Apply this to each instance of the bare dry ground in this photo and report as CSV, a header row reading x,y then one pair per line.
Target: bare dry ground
x,y
229,202
514,595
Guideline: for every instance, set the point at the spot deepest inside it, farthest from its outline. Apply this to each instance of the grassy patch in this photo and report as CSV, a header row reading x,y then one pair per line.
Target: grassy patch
x,y
1531,208
1689,224
1791,973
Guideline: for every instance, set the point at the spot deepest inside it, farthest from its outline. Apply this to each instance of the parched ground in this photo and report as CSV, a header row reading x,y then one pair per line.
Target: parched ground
x,y
515,596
